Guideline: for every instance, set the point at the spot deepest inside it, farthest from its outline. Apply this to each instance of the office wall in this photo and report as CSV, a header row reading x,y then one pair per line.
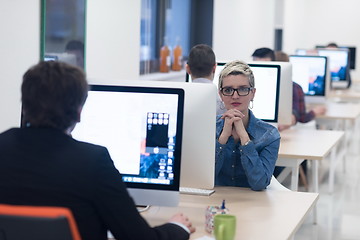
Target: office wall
x,y
19,49
113,40
113,35
241,26
308,23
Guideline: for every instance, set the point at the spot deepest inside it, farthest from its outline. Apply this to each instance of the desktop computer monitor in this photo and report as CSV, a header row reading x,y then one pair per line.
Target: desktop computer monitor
x,y
338,64
142,129
199,129
352,54
284,91
273,101
311,73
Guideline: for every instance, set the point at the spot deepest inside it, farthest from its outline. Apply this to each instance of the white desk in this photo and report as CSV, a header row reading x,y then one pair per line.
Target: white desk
x,y
270,215
343,117
348,95
297,145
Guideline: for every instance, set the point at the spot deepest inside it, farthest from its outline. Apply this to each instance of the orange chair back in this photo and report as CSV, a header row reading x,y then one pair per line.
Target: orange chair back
x,y
41,212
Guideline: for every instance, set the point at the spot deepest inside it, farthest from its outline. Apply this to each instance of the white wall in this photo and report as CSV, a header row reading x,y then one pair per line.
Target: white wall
x,y
113,43
19,49
241,26
113,39
308,23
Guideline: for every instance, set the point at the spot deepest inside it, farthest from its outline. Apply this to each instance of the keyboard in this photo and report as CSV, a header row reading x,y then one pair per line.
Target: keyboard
x,y
196,191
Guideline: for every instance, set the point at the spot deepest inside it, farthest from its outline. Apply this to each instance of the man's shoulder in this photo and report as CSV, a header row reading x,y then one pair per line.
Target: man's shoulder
x,y
201,80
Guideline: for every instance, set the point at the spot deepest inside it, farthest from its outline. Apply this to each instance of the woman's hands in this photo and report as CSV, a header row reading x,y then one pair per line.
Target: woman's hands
x,y
233,125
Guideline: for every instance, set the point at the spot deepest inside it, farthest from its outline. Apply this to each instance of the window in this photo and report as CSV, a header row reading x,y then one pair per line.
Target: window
x,y
172,23
63,31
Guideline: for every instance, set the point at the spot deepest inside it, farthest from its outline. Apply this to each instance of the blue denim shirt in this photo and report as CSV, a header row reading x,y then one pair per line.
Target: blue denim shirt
x,y
251,165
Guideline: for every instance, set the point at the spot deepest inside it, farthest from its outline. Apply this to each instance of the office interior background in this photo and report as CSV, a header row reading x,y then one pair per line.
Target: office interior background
x,y
113,29
113,36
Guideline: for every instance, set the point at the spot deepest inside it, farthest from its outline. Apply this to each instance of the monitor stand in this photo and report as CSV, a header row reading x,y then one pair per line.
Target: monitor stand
x,y
339,84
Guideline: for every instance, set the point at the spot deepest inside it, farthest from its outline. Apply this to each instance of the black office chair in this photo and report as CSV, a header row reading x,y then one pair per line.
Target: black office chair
x,y
37,223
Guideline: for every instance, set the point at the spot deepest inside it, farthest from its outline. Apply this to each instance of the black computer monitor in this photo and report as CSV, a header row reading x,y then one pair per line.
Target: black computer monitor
x,y
142,129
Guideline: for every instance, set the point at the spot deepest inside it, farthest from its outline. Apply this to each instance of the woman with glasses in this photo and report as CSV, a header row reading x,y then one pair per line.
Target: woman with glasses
x,y
246,147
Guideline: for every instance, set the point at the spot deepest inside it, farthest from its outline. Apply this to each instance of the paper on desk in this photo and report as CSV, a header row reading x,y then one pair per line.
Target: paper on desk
x,y
205,238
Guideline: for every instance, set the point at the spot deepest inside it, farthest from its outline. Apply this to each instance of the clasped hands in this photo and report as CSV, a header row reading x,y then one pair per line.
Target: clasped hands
x,y
233,125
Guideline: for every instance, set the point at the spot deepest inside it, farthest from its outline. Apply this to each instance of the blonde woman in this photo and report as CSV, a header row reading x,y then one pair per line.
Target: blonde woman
x,y
246,147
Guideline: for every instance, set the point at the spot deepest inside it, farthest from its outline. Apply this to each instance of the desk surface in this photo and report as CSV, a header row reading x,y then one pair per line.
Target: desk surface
x,y
308,144
260,215
336,110
345,94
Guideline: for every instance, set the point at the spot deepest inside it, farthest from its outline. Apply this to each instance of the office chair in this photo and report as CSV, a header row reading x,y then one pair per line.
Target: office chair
x,y
276,185
37,223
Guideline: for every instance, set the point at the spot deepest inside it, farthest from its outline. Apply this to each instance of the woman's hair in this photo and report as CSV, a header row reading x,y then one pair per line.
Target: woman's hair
x,y
52,94
236,67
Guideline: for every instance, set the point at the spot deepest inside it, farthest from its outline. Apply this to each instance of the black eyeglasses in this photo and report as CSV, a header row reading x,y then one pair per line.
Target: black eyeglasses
x,y
242,91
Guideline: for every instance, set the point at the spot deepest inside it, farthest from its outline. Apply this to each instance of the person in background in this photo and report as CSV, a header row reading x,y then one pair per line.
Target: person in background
x,y
263,54
42,165
246,147
332,45
77,48
201,67
299,106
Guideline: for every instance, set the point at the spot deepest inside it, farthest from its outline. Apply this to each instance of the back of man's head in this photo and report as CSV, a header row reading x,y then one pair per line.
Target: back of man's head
x,y
332,45
53,94
201,61
263,54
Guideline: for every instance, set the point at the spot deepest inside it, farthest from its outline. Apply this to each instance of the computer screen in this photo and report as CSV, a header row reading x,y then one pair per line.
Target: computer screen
x,y
142,129
310,72
338,63
283,93
199,128
267,84
352,54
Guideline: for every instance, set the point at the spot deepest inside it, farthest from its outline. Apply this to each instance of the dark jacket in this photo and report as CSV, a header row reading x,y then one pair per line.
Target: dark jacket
x,y
43,166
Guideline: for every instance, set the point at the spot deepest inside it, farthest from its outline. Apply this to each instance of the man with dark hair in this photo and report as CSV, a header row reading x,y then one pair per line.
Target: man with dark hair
x,y
201,67
201,62
263,54
52,96
42,165
332,45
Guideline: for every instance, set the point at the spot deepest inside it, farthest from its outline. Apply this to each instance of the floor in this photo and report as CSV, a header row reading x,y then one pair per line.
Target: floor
x,y
338,213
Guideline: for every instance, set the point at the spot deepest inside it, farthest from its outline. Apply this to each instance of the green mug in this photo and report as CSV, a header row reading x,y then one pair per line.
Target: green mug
x,y
224,226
